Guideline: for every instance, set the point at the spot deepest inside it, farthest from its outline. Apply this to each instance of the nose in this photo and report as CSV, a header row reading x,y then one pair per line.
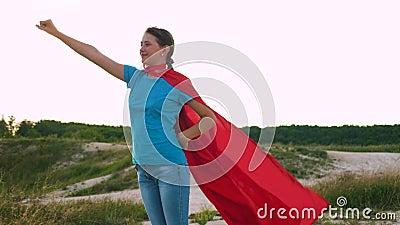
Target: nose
x,y
142,48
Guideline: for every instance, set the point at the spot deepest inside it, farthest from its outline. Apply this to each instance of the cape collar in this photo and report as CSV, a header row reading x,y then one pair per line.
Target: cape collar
x,y
155,71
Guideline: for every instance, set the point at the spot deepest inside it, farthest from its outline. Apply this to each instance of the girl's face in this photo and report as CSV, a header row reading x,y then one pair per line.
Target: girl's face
x,y
150,47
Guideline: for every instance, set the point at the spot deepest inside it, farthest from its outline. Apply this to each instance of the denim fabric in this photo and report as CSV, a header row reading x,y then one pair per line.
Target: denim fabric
x,y
165,193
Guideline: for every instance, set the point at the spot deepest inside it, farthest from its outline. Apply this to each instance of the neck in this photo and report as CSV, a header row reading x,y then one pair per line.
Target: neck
x,y
155,70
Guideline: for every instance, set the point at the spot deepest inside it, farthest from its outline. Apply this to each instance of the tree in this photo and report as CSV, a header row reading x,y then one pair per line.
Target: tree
x,y
3,128
50,127
255,133
11,125
26,129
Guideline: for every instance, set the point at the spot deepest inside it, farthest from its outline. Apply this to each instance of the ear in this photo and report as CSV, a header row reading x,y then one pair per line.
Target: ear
x,y
165,50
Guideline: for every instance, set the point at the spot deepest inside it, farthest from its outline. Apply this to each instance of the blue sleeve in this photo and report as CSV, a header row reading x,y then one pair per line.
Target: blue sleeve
x,y
128,73
183,98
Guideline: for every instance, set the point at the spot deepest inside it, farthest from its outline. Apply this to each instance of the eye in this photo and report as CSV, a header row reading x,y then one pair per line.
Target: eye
x,y
145,44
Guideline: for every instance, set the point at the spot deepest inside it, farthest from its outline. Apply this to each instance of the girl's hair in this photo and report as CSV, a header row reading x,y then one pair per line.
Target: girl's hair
x,y
163,37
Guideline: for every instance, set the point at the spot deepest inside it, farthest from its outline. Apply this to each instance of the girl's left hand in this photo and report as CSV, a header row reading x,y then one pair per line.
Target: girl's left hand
x,y
183,141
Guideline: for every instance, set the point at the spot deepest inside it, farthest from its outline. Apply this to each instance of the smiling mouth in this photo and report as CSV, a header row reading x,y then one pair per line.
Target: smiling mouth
x,y
144,57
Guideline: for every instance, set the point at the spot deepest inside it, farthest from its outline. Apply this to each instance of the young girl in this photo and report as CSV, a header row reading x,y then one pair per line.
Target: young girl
x,y
154,107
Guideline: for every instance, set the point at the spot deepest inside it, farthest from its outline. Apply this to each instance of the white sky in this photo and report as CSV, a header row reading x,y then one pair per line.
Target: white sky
x,y
326,62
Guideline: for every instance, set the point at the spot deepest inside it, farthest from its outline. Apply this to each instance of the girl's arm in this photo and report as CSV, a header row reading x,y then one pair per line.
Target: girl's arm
x,y
87,51
206,122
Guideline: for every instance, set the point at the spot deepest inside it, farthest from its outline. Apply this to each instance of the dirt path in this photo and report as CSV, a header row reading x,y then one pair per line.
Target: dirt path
x,y
197,201
361,162
358,163
100,146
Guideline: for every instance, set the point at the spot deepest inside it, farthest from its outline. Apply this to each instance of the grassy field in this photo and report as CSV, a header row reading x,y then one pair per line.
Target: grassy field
x,y
31,168
379,194
29,163
366,148
80,212
380,191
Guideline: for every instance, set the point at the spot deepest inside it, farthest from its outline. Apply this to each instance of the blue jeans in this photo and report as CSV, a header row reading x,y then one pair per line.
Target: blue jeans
x,y
165,193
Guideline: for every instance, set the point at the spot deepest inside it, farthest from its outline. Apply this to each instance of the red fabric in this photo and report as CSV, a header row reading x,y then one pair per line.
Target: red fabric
x,y
240,195
154,70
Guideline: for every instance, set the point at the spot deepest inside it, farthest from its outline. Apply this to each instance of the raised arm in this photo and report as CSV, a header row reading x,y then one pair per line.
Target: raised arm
x,y
86,50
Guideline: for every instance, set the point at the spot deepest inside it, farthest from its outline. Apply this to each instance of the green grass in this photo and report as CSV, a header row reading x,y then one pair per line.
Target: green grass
x,y
29,168
380,192
79,212
31,163
27,162
92,165
367,148
204,216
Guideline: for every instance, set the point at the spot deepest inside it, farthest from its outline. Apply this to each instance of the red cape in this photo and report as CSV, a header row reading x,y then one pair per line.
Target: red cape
x,y
243,196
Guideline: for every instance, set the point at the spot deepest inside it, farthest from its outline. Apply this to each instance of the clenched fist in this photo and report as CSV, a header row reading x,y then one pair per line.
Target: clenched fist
x,y
48,26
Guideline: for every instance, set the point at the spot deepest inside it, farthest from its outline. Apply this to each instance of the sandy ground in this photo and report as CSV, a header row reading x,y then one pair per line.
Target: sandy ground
x,y
197,201
344,162
368,162
358,163
99,146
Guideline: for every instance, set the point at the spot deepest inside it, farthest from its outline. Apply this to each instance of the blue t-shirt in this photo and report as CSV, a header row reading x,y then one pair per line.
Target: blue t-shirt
x,y
154,106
